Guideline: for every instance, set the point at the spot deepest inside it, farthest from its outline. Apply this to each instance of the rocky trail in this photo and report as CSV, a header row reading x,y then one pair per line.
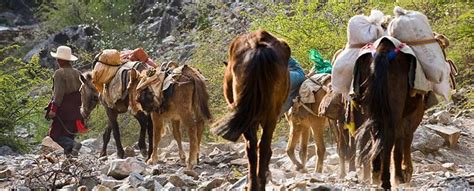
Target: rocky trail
x,y
223,166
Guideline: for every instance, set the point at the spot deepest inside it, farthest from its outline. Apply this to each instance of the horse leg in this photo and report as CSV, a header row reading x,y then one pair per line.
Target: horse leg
x,y
157,127
149,127
386,157
397,158
142,120
376,168
106,139
193,142
265,152
116,131
341,148
351,152
411,122
318,132
200,131
304,147
178,137
251,149
295,134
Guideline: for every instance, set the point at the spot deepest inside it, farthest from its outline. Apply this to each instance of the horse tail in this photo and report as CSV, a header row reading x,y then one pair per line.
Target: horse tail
x,y
376,97
201,99
254,99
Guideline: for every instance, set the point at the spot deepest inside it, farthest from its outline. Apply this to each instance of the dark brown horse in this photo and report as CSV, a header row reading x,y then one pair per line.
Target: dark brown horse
x,y
90,98
393,114
256,84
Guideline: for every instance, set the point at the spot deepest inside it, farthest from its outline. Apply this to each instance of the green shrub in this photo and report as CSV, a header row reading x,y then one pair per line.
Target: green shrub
x,y
22,95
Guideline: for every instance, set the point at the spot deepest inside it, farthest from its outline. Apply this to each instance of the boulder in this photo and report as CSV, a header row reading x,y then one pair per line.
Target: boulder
x,y
7,173
443,117
121,168
135,179
426,141
176,181
49,145
78,37
129,151
71,187
6,150
82,188
109,182
151,184
212,184
101,188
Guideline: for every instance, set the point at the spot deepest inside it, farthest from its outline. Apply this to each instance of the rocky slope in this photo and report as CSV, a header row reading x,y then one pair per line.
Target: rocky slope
x,y
223,165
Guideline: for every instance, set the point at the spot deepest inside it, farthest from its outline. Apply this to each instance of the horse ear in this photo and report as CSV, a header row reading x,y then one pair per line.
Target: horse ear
x,y
225,63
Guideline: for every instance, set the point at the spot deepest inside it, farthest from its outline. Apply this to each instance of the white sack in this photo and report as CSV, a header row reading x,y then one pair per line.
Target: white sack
x,y
360,30
414,26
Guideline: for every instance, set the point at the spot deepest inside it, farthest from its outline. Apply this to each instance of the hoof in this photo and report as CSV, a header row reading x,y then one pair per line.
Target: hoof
x,y
144,153
150,162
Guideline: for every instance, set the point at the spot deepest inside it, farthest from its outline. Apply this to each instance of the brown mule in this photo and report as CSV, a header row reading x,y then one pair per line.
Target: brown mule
x,y
256,84
302,119
393,115
186,106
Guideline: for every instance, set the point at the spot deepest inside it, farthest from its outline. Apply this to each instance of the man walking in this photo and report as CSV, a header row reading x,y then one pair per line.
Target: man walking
x,y
65,106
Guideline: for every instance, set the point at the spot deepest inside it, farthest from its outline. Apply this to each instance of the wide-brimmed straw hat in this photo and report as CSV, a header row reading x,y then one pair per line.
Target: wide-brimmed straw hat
x,y
64,53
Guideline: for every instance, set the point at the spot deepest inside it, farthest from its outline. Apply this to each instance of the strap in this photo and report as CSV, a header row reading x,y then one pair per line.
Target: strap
x,y
357,45
421,42
309,110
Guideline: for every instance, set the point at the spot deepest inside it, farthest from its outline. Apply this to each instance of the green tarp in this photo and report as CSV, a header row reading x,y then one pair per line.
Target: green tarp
x,y
320,65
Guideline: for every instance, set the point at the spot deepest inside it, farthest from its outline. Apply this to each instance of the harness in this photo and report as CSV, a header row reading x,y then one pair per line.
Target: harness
x,y
437,39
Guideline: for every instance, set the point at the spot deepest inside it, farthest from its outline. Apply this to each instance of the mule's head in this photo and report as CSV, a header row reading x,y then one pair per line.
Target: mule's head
x,y
89,95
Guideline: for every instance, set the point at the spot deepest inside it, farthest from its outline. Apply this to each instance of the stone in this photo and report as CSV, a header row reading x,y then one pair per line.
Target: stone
x,y
450,134
101,188
176,181
426,141
351,176
169,40
135,179
191,173
125,187
89,182
71,187
240,184
170,186
6,151
7,173
449,166
239,162
332,159
150,183
443,117
109,182
129,151
209,185
121,168
49,145
82,188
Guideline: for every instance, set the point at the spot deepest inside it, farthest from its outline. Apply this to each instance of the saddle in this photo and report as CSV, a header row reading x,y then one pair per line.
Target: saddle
x,y
312,85
116,89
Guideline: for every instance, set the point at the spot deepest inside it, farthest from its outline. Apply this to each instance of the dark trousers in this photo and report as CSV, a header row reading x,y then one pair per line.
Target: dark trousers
x,y
67,143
